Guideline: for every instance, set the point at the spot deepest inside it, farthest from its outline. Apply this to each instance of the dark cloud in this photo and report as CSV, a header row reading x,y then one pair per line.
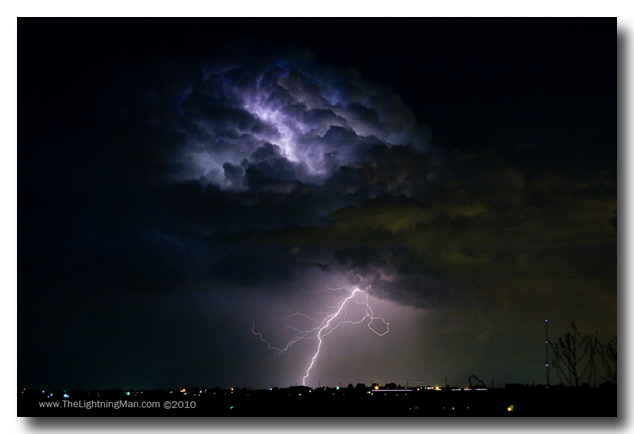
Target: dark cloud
x,y
248,268
274,152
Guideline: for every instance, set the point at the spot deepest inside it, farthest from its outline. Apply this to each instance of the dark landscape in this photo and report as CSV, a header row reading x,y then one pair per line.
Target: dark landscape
x,y
514,400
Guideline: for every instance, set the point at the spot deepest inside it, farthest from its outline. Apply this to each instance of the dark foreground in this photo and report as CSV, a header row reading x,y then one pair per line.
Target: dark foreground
x,y
303,401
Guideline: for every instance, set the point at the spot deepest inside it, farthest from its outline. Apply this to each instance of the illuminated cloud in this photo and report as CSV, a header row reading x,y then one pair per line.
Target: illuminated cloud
x,y
288,119
267,164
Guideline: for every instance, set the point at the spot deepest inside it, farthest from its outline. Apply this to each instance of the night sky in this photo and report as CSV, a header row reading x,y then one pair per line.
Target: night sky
x,y
184,183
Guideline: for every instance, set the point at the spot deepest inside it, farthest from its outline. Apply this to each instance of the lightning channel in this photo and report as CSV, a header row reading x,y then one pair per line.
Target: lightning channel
x,y
328,325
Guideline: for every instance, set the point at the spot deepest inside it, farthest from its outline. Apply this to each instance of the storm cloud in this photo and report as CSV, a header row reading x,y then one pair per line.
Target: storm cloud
x,y
247,170
178,182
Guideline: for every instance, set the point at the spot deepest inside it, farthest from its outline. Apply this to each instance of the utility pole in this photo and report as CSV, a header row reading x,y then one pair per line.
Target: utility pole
x,y
547,367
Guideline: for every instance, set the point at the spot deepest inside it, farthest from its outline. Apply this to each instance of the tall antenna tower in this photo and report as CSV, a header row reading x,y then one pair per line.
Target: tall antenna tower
x,y
547,367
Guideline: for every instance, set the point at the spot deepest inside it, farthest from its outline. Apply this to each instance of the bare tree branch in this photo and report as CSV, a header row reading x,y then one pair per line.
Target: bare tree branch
x,y
575,357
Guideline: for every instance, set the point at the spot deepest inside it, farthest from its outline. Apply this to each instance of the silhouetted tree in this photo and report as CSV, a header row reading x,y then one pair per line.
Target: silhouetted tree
x,y
575,357
607,354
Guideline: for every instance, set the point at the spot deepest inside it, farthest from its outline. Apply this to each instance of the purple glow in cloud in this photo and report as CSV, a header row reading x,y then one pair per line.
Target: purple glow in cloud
x,y
318,119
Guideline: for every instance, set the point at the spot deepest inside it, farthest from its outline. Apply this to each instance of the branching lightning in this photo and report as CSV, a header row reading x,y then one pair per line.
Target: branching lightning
x,y
327,325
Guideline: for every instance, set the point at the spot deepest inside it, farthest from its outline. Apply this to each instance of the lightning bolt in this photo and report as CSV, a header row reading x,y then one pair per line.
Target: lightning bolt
x,y
324,328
